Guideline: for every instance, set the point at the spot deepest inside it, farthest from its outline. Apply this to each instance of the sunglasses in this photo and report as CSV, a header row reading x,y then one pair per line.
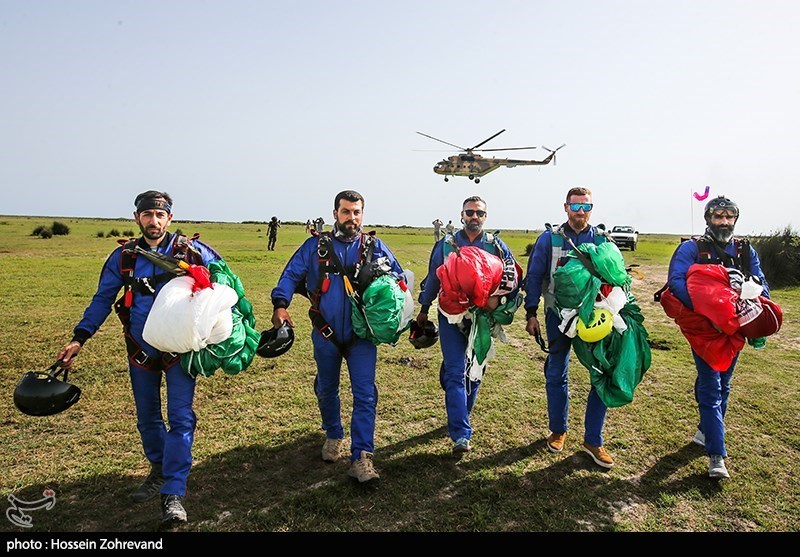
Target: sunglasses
x,y
470,212
578,206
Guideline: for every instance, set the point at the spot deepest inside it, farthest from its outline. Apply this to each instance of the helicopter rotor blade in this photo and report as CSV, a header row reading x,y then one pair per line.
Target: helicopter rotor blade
x,y
506,149
486,140
442,141
554,150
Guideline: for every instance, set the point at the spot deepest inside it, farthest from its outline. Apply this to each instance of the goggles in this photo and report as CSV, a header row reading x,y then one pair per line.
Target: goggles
x,y
578,206
470,212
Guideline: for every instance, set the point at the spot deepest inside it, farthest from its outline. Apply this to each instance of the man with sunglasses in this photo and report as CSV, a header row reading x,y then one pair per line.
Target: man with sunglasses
x,y
460,391
711,388
550,251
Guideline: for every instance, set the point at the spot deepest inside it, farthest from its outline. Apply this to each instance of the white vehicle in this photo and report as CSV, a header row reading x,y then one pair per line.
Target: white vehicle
x,y
625,236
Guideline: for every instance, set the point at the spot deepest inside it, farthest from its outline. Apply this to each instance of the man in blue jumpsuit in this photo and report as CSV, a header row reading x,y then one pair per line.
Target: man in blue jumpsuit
x,y
169,450
550,252
333,337
459,391
711,388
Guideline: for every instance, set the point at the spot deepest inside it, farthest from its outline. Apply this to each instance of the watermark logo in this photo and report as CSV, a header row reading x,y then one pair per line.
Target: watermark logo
x,y
16,512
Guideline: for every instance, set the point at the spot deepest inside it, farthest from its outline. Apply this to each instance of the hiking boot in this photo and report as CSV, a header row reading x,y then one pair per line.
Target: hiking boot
x,y
461,446
699,438
172,511
363,470
599,455
555,442
716,467
332,450
150,486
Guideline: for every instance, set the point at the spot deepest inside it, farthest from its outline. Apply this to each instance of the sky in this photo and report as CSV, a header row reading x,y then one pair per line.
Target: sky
x,y
242,110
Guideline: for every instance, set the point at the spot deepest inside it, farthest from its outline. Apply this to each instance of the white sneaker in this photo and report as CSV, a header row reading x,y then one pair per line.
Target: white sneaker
x,y
332,450
363,470
699,438
716,467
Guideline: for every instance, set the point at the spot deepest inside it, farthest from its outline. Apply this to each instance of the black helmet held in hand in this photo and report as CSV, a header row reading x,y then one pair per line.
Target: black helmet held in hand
x,y
423,337
42,393
275,342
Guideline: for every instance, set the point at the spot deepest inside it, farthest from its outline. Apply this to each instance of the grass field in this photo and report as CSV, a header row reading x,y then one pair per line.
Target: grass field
x,y
257,465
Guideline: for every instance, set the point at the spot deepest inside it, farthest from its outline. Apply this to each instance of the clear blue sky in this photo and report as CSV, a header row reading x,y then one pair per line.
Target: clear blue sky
x,y
247,109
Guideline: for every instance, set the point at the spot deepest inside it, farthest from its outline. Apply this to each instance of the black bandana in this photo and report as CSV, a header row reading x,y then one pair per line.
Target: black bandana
x,y
154,203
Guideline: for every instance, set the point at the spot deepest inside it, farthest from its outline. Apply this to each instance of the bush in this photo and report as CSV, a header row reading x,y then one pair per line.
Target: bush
x,y
113,232
60,229
179,231
38,230
780,257
46,233
128,233
529,249
101,234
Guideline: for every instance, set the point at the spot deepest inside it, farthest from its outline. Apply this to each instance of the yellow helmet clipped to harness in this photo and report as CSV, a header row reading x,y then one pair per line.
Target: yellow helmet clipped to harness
x,y
598,328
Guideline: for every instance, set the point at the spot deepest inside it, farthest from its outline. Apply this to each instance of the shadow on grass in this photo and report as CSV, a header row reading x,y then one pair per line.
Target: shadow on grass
x,y
666,476
289,488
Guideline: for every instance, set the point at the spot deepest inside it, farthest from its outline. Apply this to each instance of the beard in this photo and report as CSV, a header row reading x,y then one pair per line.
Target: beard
x,y
347,229
473,226
152,232
721,234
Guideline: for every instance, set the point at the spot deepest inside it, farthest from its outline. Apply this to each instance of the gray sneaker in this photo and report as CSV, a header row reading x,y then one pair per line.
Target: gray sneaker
x,y
332,450
716,467
699,438
363,470
151,486
172,511
461,446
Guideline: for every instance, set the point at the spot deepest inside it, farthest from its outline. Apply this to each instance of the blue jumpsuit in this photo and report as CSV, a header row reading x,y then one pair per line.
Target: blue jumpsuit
x,y
459,392
556,366
361,355
171,448
711,388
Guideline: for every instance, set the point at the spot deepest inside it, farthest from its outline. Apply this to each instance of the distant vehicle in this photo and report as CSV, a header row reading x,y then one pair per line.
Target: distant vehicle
x,y
472,165
625,236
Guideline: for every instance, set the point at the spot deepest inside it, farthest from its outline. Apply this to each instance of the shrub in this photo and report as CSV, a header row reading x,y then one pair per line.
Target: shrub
x,y
529,249
179,231
128,233
38,230
46,233
113,232
60,229
101,234
779,253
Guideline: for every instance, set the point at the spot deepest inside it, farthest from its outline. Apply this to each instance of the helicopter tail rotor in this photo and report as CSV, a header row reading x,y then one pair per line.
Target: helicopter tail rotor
x,y
553,151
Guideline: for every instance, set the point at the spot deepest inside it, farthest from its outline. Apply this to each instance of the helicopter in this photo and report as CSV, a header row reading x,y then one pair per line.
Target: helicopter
x,y
473,166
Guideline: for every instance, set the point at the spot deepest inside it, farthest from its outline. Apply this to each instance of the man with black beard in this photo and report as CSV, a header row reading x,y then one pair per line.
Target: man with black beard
x,y
322,268
716,246
169,450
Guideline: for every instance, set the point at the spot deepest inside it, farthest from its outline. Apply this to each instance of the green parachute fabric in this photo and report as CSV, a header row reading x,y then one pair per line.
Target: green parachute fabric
x,y
377,316
236,352
617,363
608,262
576,287
484,323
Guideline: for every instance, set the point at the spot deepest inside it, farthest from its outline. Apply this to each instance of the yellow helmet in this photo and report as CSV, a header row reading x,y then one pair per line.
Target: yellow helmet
x,y
599,326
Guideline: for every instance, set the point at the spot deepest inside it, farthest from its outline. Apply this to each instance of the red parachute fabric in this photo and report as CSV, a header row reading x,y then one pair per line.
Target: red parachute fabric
x,y
712,295
201,276
468,277
768,321
716,348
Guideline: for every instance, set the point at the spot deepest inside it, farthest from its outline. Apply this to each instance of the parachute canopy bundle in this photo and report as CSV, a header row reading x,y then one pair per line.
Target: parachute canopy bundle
x,y
208,322
727,310
593,299
384,309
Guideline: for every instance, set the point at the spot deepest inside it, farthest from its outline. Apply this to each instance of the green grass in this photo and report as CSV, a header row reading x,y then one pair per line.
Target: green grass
x,y
257,464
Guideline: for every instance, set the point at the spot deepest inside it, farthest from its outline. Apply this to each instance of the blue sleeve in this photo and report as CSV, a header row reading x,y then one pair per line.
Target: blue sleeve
x,y
538,269
428,294
755,270
103,300
208,253
683,258
382,249
294,273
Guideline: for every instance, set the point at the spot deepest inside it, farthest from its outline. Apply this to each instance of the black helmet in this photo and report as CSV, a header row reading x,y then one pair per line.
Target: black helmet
x,y
719,203
42,393
275,342
423,337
